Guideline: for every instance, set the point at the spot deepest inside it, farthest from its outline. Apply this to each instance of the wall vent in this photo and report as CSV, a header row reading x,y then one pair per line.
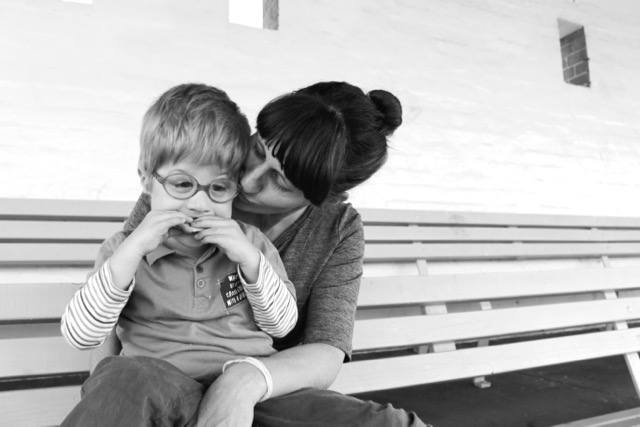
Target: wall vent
x,y
573,47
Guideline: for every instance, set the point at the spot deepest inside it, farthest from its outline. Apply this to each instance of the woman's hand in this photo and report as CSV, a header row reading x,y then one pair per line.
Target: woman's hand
x,y
230,400
229,237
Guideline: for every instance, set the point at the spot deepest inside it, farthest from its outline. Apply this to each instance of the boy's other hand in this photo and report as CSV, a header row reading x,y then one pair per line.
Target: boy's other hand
x,y
156,228
229,237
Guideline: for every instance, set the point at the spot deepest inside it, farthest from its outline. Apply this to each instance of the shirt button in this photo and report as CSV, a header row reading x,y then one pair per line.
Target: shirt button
x,y
200,283
199,268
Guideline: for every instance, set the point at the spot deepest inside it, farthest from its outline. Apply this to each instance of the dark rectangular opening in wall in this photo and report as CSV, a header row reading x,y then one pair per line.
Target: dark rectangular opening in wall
x,y
573,47
270,14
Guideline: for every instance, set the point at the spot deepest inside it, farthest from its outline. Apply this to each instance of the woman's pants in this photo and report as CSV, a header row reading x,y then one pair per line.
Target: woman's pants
x,y
142,391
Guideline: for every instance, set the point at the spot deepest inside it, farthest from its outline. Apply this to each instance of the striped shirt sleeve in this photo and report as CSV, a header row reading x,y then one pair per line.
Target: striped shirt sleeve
x,y
273,304
93,311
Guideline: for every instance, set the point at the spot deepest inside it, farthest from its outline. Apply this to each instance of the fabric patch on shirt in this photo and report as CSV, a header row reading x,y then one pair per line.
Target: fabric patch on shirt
x,y
232,291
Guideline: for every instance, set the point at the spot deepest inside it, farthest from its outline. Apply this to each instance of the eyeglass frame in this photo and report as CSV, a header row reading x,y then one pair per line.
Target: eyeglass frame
x,y
199,187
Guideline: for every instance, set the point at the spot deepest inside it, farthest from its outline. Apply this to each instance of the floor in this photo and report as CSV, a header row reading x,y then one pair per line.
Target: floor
x,y
535,398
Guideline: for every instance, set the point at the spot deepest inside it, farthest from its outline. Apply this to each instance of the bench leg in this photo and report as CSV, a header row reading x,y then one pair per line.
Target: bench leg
x,y
435,348
482,382
632,359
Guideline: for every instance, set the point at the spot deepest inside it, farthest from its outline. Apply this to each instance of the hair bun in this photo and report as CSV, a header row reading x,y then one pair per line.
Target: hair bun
x,y
389,105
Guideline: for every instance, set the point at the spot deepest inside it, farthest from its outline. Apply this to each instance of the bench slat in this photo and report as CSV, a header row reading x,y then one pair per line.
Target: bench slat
x,y
40,407
496,234
84,254
414,290
61,230
35,301
404,371
479,251
48,253
40,356
412,331
92,210
392,216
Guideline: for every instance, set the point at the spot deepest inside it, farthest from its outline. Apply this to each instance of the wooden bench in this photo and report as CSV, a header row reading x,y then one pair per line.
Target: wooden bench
x,y
475,294
446,295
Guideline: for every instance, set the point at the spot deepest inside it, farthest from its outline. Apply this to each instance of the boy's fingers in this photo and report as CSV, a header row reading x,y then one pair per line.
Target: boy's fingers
x,y
168,215
181,216
174,231
175,225
211,222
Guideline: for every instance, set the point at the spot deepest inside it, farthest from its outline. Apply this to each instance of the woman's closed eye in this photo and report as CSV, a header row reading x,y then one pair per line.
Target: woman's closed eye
x,y
279,182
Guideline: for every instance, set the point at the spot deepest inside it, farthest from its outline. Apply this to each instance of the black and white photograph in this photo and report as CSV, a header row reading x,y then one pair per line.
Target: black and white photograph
x,y
322,213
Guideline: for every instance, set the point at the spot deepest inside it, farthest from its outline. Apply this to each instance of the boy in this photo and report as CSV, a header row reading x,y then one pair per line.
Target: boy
x,y
189,286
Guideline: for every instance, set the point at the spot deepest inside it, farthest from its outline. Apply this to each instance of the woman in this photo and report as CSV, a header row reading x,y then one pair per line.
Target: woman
x,y
311,146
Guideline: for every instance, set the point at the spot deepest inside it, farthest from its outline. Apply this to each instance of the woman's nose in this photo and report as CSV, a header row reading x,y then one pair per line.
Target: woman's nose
x,y
251,181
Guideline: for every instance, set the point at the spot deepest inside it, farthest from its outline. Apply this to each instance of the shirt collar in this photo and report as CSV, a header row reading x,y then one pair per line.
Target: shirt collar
x,y
163,250
157,253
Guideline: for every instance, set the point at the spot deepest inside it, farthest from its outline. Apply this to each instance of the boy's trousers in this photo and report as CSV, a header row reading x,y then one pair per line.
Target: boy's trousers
x,y
141,391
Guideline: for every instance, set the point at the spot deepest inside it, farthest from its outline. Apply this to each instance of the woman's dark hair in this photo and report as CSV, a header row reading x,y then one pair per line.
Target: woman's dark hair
x,y
308,137
330,136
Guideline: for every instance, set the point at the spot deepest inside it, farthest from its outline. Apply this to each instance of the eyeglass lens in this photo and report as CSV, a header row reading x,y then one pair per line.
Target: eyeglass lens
x,y
183,186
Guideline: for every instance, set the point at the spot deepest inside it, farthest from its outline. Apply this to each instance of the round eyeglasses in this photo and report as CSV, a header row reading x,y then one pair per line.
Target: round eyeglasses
x,y
183,186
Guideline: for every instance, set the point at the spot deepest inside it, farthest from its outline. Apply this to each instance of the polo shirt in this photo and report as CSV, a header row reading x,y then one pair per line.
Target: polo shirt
x,y
193,313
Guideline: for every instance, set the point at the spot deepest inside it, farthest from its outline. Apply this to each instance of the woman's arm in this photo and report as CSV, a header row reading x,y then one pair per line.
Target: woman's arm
x,y
326,338
309,365
331,306
231,398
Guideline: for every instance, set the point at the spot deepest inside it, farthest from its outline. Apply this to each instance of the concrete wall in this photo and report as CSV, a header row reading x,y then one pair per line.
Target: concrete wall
x,y
490,124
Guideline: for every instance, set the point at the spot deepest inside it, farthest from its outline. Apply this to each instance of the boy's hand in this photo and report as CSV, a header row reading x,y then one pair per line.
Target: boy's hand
x,y
152,231
229,237
155,229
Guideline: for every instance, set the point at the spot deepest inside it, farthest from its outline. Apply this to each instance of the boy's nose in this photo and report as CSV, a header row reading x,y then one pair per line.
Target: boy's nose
x,y
200,203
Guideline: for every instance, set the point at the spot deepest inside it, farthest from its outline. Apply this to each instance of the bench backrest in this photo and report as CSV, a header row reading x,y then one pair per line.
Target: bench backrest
x,y
46,250
477,268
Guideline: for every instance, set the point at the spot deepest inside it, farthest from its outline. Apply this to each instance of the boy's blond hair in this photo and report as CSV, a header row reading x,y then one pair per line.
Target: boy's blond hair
x,y
196,123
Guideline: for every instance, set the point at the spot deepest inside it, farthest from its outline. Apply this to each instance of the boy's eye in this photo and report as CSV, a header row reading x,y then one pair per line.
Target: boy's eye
x,y
219,188
181,184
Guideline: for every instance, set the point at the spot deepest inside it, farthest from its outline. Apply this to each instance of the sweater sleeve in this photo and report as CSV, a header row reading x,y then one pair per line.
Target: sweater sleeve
x,y
324,258
139,212
273,303
93,311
